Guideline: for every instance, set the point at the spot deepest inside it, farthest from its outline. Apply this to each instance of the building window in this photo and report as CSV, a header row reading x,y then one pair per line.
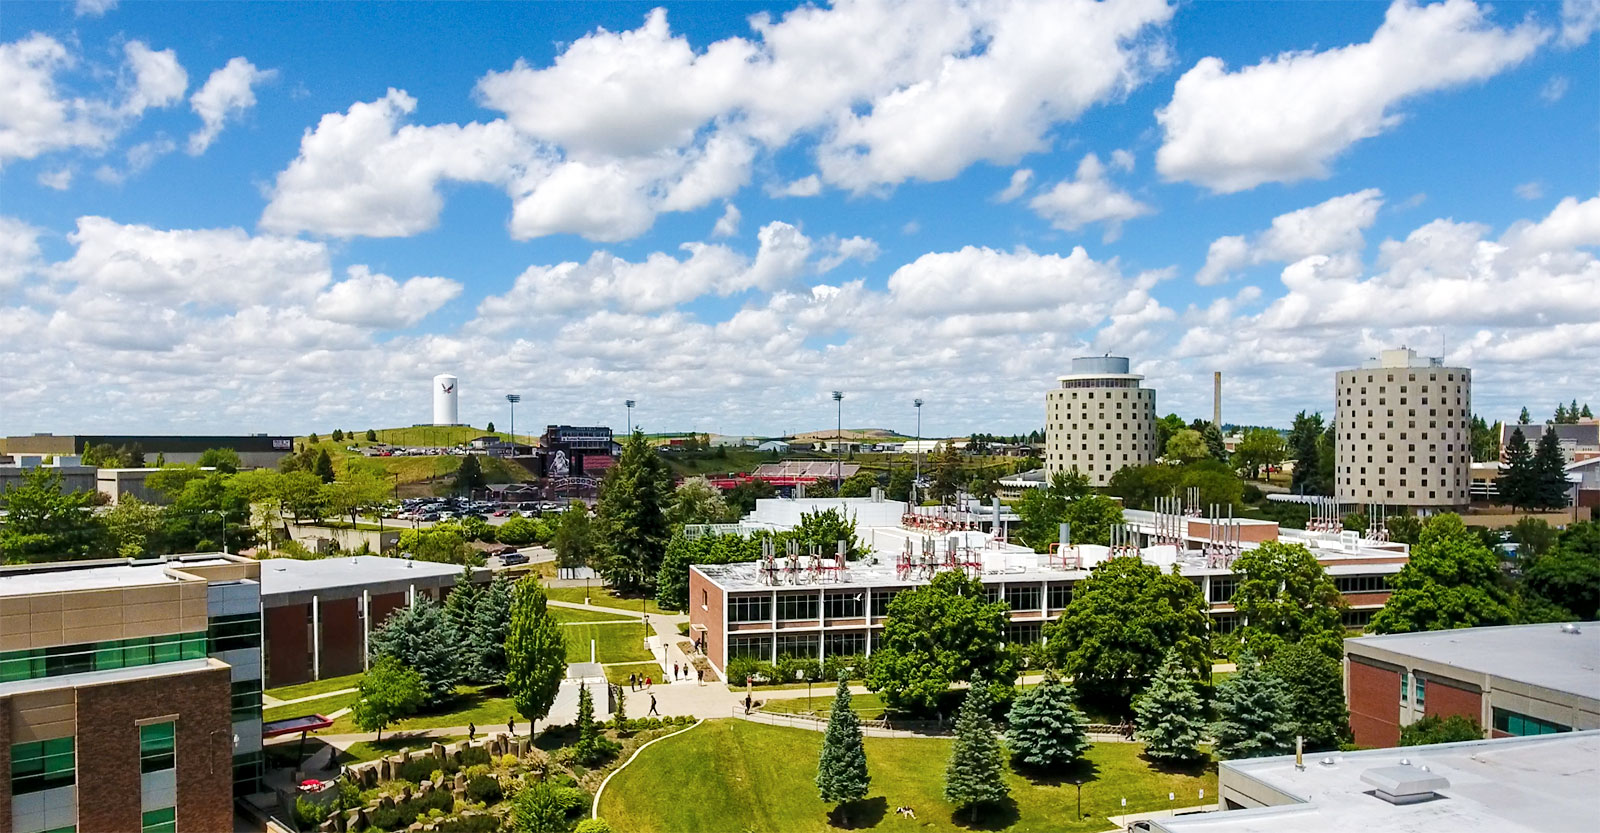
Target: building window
x,y
846,605
246,700
234,633
1222,589
1024,633
1405,686
164,820
1023,596
1362,584
750,609
1422,691
846,643
880,602
246,773
157,747
43,765
991,592
62,660
1224,624
1521,725
758,647
797,607
1356,618
797,645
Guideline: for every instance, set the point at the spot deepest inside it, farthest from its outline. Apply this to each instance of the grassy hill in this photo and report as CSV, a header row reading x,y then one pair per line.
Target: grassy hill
x,y
414,476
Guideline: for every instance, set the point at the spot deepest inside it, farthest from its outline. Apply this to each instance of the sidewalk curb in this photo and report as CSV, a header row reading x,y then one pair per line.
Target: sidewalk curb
x,y
594,810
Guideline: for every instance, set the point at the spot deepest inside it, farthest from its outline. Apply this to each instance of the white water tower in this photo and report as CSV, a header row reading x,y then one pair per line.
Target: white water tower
x,y
444,400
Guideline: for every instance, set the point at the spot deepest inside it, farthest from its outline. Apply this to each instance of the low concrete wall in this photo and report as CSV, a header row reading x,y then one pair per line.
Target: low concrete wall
x,y
348,539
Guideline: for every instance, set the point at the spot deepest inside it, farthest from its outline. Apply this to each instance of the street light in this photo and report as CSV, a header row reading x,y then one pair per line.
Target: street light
x,y
916,481
513,398
1078,782
838,432
629,403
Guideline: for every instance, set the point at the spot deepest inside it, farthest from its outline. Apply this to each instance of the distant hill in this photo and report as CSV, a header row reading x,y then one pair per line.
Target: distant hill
x,y
864,434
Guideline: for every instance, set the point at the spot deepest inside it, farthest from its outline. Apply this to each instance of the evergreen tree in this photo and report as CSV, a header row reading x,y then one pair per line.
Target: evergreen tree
x,y
630,519
1047,730
1517,483
420,637
1549,473
1170,716
491,428
338,435
1586,413
1522,418
842,769
491,619
536,652
313,439
372,436
461,611
324,467
1561,414
1572,413
1253,714
592,746
1314,684
470,475
946,472
1215,445
1305,445
975,776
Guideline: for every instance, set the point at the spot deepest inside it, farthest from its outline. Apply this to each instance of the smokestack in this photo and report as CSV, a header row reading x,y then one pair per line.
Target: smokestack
x,y
1216,400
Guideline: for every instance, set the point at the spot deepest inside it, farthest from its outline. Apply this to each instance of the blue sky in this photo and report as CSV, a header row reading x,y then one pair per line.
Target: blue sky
x,y
274,217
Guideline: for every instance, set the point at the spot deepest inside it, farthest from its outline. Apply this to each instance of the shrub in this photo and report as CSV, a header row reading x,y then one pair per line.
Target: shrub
x,y
849,666
592,826
571,799
798,669
308,814
475,756
418,770
484,789
508,760
476,770
741,668
1252,493
483,823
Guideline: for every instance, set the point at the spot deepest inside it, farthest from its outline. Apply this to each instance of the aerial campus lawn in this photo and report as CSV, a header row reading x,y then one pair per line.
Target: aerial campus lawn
x,y
727,776
486,706
322,705
323,686
601,596
869,705
613,643
572,614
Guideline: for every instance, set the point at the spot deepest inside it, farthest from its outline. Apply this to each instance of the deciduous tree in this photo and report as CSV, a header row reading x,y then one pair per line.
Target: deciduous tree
x,y
46,524
1259,448
1186,446
696,501
536,652
1313,682
574,538
1285,597
1451,581
938,634
388,692
1437,729
1569,574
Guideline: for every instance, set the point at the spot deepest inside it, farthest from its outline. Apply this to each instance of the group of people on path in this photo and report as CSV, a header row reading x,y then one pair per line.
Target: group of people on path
x,y
680,671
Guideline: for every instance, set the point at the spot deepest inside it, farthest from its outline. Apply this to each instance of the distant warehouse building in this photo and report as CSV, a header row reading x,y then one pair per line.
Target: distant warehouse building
x,y
255,450
1514,680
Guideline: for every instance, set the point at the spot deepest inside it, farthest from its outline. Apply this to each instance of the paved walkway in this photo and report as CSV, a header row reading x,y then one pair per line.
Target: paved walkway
x,y
273,702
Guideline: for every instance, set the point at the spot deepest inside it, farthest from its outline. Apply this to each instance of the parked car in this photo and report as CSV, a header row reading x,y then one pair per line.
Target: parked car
x,y
501,513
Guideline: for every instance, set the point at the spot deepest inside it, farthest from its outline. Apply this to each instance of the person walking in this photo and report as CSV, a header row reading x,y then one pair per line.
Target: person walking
x,y
649,682
511,725
653,711
674,671
633,681
472,731
700,676
747,703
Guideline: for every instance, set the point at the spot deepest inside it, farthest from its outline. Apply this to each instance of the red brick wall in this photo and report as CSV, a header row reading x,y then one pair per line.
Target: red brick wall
x,y
108,750
1446,697
288,644
709,615
1374,697
379,607
341,637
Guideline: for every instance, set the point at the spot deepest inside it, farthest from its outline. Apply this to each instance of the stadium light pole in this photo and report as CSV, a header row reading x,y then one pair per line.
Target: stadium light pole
x,y
513,398
916,480
838,434
629,403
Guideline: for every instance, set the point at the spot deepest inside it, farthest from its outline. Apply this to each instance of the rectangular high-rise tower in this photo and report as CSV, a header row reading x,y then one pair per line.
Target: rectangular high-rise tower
x,y
1099,420
1404,428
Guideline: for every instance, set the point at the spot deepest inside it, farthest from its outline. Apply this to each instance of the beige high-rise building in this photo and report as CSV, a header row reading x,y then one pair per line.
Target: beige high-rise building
x,y
1404,428
1098,420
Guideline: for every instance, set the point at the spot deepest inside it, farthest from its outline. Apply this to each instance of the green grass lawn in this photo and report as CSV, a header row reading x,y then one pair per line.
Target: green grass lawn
x,y
618,674
568,614
600,596
868,705
323,686
753,777
613,643
488,707
322,705
372,750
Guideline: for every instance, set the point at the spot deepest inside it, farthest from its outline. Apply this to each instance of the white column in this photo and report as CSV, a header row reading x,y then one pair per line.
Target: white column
x,y
822,623
366,625
316,639
411,595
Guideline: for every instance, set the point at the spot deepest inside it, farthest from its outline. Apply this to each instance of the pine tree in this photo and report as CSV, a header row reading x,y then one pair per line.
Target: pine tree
x,y
470,475
1047,730
1586,413
1215,445
592,747
842,770
1561,414
619,716
536,652
1517,479
1549,473
1170,716
338,435
460,609
421,638
1253,714
324,467
372,436
631,528
1522,418
1572,412
491,618
975,775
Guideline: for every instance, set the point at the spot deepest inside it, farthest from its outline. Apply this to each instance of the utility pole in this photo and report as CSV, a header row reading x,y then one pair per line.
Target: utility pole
x,y
916,481
838,433
513,398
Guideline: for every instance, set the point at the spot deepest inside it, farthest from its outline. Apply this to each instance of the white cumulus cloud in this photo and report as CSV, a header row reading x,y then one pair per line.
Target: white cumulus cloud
x,y
229,91
368,299
1090,198
1331,227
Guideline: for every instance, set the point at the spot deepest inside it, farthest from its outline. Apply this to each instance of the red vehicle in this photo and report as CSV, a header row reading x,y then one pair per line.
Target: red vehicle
x,y
501,513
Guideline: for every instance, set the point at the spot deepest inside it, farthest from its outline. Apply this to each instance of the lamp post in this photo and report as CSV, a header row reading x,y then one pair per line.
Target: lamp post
x,y
513,398
916,480
838,433
1076,782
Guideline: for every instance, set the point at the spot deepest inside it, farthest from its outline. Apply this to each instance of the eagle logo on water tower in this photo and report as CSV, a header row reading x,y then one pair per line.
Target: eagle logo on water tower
x,y
447,388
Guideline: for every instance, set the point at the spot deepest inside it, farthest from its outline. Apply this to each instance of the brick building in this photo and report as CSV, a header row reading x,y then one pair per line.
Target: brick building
x,y
317,615
138,682
1514,680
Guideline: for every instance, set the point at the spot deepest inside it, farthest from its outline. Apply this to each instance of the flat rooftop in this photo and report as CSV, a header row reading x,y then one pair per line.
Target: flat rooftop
x,y
1540,655
59,577
283,576
1542,784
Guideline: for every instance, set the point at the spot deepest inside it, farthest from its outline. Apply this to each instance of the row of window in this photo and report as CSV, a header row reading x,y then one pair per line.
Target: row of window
x,y
1422,689
43,765
1432,377
157,747
1522,725
1222,590
236,632
1361,584
245,698
60,660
